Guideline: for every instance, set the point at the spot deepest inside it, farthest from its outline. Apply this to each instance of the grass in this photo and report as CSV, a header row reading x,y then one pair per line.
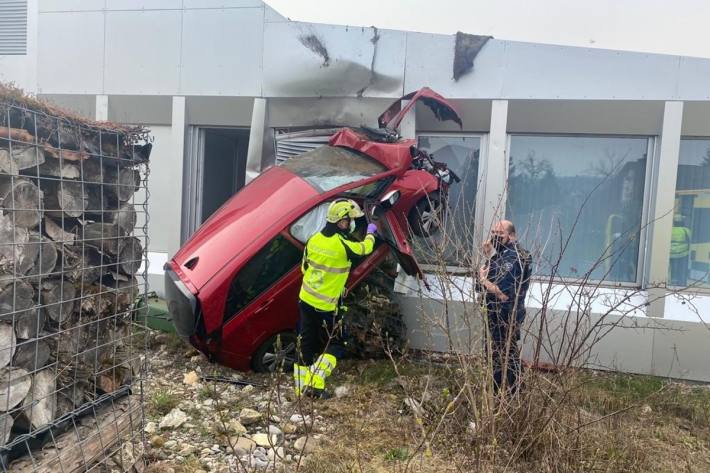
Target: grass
x,y
609,392
397,454
663,426
161,402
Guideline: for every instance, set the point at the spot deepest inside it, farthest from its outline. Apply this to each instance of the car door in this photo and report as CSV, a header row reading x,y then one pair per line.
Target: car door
x,y
262,298
394,235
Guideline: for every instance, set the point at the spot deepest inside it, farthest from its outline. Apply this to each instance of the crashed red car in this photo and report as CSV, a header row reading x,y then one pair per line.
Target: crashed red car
x,y
232,289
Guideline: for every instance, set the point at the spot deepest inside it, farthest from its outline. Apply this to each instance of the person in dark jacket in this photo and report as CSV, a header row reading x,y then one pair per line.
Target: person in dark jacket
x,y
504,282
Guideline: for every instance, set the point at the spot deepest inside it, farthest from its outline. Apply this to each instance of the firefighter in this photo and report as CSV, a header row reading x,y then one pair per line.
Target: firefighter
x,y
680,249
326,265
504,281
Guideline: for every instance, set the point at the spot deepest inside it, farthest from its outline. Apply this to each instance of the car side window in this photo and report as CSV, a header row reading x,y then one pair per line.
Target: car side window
x,y
270,264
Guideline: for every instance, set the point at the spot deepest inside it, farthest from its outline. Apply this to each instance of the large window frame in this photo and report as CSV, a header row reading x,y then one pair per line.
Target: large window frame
x,y
649,191
480,191
700,289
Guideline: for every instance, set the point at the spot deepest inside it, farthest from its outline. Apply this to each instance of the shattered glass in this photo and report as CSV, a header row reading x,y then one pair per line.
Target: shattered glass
x,y
328,167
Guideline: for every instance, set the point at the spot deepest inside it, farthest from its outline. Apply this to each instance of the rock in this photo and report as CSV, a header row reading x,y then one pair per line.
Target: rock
x,y
277,433
646,409
289,458
277,453
237,427
290,428
215,448
162,338
170,445
275,418
191,378
249,416
151,428
342,391
156,441
196,359
299,419
306,444
205,452
247,389
262,440
187,450
173,419
243,446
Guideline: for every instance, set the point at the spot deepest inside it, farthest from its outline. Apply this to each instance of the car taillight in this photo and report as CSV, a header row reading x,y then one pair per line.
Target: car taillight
x,y
182,305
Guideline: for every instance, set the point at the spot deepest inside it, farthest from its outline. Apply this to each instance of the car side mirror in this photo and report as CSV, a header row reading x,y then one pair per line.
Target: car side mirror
x,y
389,199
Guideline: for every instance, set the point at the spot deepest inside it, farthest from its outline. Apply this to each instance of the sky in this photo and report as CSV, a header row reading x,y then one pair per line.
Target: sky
x,y
659,26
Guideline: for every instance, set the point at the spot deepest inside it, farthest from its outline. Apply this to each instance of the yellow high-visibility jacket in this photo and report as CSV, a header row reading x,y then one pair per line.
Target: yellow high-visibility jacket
x,y
680,242
326,267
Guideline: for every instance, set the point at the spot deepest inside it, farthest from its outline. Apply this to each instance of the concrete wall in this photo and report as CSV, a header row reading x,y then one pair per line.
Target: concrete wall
x,y
633,344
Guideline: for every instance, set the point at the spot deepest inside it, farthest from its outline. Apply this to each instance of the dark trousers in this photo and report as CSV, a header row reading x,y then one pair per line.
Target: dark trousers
x,y
504,332
679,271
319,332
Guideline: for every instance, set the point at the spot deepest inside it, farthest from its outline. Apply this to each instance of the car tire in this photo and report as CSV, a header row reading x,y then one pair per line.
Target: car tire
x,y
271,356
425,217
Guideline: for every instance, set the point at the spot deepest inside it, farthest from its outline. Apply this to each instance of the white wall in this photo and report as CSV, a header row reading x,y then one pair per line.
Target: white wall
x,y
22,69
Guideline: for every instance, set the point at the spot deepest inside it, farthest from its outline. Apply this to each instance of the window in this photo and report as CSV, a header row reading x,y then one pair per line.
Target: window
x,y
13,27
270,264
577,203
461,154
328,167
690,237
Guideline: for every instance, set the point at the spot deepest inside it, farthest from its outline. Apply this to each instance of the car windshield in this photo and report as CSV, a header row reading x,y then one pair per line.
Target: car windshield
x,y
328,167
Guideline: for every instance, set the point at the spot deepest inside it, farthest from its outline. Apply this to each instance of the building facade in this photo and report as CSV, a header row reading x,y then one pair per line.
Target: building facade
x,y
548,130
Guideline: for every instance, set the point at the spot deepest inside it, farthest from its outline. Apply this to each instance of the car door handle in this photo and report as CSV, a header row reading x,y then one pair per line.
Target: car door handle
x,y
264,306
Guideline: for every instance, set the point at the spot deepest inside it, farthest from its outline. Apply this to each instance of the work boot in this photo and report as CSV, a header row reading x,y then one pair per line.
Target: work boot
x,y
315,393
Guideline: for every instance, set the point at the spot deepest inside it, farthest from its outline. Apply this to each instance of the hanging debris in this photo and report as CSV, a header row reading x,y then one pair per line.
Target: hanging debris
x,y
465,51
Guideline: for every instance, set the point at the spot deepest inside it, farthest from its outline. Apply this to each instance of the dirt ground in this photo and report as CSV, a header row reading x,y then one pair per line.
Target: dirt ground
x,y
639,424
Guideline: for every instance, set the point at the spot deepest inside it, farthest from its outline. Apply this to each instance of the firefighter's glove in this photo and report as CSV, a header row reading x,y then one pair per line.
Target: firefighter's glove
x,y
371,228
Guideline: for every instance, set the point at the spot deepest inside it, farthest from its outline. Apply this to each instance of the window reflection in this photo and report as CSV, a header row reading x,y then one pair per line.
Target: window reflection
x,y
461,154
577,203
690,236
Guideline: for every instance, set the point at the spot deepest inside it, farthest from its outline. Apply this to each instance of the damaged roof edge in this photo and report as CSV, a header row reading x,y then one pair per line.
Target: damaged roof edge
x,y
442,109
466,48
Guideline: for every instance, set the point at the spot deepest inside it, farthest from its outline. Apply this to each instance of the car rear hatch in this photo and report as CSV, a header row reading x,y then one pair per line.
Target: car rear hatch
x,y
256,212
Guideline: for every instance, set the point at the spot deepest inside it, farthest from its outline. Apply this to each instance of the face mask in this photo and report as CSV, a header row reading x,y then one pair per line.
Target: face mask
x,y
497,242
352,226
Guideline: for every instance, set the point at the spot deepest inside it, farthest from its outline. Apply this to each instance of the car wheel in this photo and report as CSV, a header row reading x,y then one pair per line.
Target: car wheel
x,y
277,353
425,218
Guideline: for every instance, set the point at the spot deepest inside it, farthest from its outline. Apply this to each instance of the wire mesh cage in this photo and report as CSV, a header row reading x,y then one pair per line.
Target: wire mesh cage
x,y
73,234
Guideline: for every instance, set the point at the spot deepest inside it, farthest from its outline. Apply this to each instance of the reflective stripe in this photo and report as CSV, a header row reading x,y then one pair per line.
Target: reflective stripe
x,y
327,269
301,378
312,292
317,382
326,363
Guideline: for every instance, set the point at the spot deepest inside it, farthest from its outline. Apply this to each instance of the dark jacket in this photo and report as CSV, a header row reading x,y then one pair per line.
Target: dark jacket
x,y
509,269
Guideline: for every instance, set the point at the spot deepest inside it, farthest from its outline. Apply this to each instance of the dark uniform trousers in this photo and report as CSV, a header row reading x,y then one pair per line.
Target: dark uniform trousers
x,y
320,333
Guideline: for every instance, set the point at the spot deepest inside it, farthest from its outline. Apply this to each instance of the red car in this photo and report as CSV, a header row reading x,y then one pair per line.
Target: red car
x,y
232,289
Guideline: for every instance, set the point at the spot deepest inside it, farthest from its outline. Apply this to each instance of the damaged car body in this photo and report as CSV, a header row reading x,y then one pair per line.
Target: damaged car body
x,y
232,288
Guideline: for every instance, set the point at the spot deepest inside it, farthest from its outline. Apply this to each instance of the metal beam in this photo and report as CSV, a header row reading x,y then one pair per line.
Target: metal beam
x,y
177,144
257,133
661,223
495,169
101,112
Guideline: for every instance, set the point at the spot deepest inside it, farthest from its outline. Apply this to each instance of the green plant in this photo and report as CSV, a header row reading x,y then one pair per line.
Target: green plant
x,y
162,402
